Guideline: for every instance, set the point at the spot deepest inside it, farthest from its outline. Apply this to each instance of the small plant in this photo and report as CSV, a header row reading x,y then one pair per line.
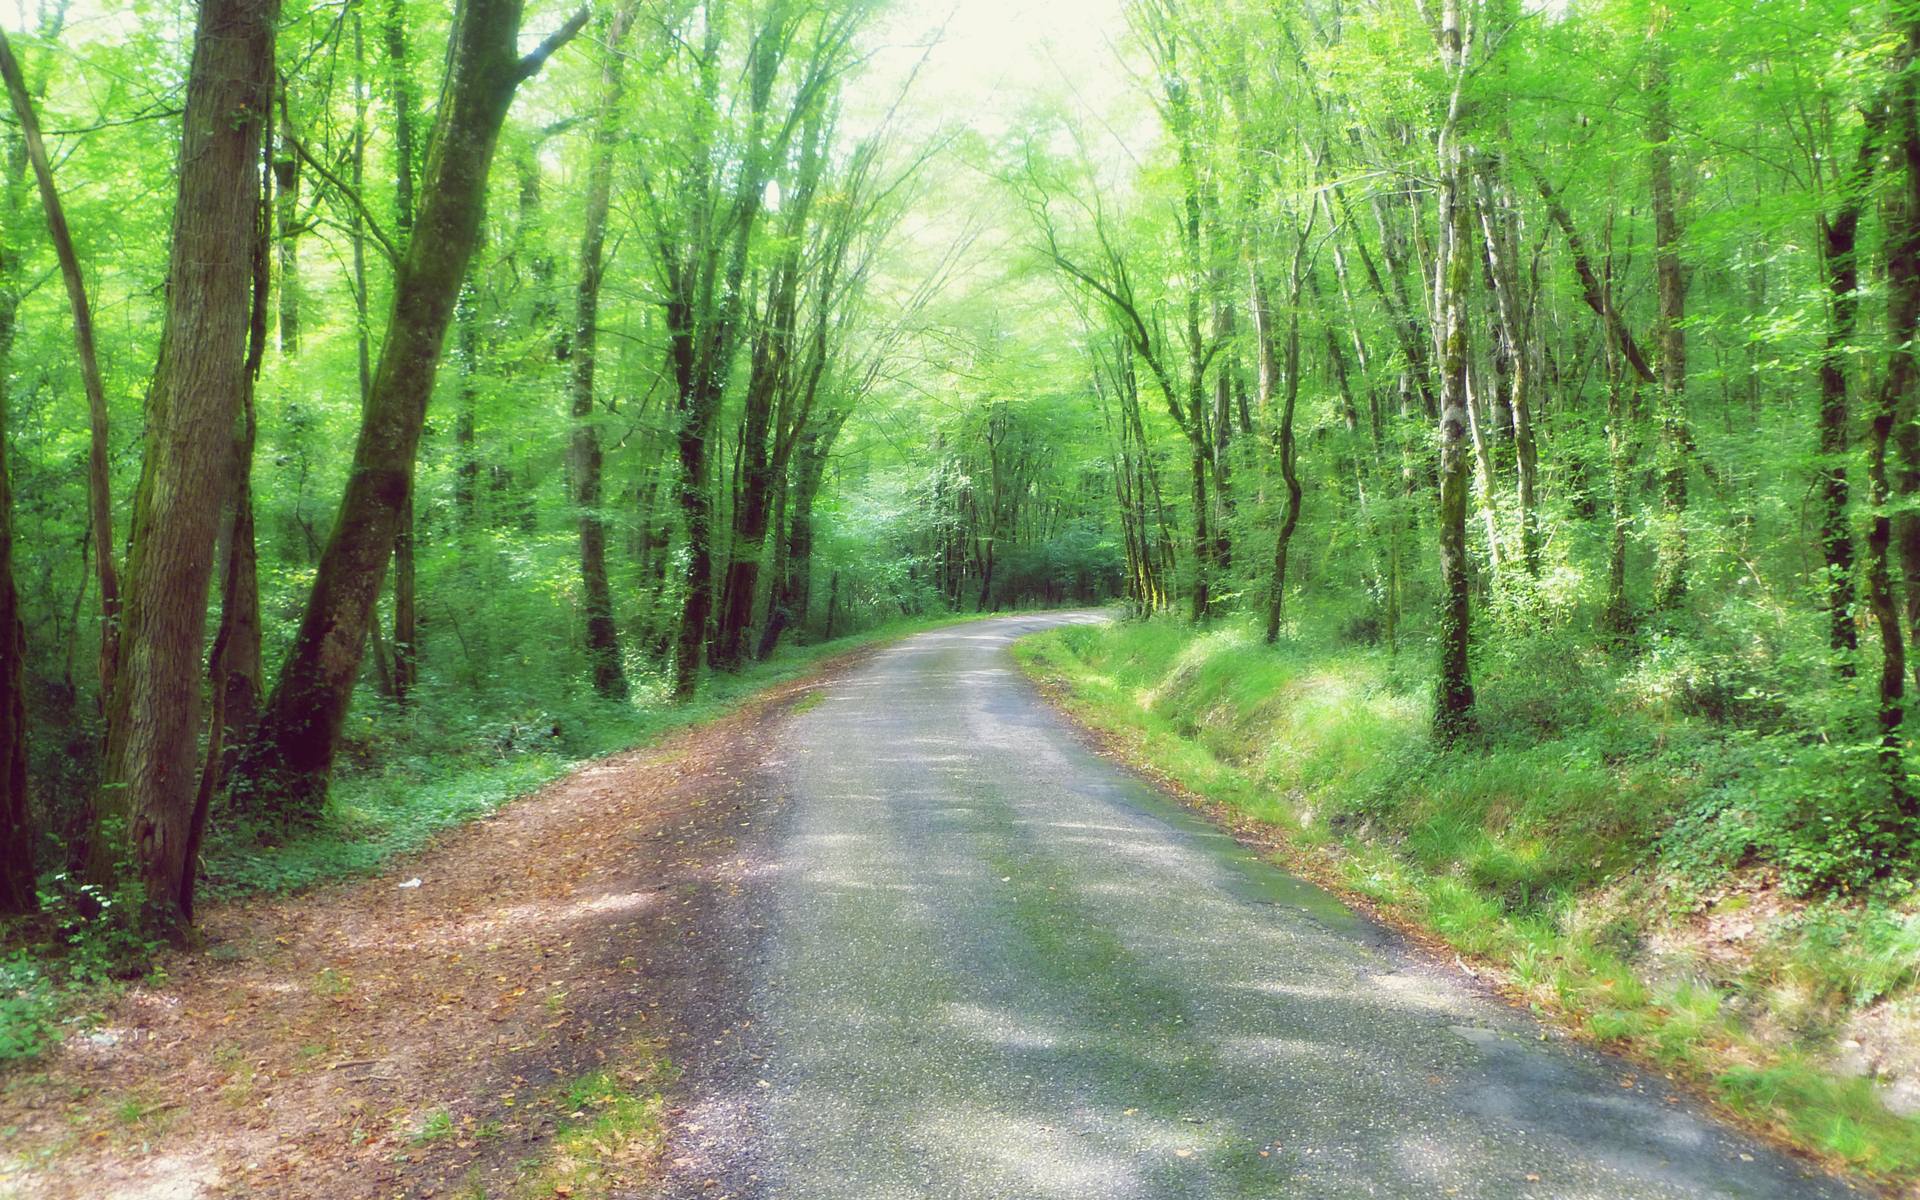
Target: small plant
x,y
438,1125
29,1009
332,983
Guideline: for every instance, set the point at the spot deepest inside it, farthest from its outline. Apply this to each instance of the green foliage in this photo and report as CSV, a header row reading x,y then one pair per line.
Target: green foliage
x,y
29,1009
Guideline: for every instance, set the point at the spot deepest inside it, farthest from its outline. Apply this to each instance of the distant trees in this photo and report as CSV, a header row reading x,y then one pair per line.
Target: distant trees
x,y
1498,331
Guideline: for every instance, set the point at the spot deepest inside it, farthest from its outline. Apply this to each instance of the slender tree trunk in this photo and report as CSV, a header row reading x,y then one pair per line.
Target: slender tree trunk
x,y
148,789
466,468
286,183
770,380
406,604
99,481
584,456
1506,290
1896,404
285,767
1670,541
1285,374
17,892
1453,709
1839,236
17,879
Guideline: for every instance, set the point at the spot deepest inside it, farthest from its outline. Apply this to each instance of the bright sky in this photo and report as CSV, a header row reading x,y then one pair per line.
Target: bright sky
x,y
993,58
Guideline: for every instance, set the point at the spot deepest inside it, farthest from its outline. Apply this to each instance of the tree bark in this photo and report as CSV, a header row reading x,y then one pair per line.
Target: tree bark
x,y
1896,405
149,784
584,454
286,183
284,770
1453,709
406,620
1670,539
1839,235
771,381
17,879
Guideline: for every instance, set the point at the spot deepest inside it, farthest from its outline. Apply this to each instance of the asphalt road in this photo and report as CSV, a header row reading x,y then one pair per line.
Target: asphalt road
x,y
990,965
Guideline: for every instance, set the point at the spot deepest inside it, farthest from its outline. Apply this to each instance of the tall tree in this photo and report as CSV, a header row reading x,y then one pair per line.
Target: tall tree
x,y
146,800
99,483
285,767
1670,571
1453,707
585,456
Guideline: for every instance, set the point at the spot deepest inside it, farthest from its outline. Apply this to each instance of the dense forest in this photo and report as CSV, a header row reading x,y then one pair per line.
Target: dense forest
x,y
385,383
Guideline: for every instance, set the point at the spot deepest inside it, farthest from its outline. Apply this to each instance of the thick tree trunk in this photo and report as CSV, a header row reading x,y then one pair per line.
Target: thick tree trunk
x,y
149,785
584,454
284,770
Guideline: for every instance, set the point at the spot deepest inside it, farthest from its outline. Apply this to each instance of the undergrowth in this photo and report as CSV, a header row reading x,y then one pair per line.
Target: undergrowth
x,y
1605,808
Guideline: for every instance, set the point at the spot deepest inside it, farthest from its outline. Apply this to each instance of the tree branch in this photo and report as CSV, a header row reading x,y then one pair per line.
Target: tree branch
x,y
531,64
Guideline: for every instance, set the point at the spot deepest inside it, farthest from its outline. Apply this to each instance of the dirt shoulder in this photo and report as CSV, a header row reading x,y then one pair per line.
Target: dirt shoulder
x,y
391,1038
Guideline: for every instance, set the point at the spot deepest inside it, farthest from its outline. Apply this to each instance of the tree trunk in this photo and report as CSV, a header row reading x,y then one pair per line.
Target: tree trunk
x,y
771,380
1453,709
702,335
584,454
148,789
1285,444
1670,539
99,481
1839,236
1896,405
793,596
1505,273
286,183
284,770
17,891
406,608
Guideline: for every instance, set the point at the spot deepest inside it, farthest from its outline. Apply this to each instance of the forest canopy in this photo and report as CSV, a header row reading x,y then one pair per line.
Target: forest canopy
x,y
388,381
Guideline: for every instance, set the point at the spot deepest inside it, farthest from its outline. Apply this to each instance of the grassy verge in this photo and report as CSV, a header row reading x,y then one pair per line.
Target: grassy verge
x,y
1581,860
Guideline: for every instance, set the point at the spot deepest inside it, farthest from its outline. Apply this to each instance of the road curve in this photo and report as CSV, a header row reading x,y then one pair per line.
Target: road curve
x,y
990,965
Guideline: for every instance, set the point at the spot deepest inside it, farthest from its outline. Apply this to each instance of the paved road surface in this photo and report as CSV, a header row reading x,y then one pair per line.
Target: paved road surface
x,y
995,967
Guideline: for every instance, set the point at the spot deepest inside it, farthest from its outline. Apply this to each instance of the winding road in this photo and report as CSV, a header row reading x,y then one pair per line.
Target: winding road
x,y
983,963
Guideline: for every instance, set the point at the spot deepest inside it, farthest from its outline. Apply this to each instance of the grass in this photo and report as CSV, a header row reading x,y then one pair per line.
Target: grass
x,y
611,1129
1551,849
